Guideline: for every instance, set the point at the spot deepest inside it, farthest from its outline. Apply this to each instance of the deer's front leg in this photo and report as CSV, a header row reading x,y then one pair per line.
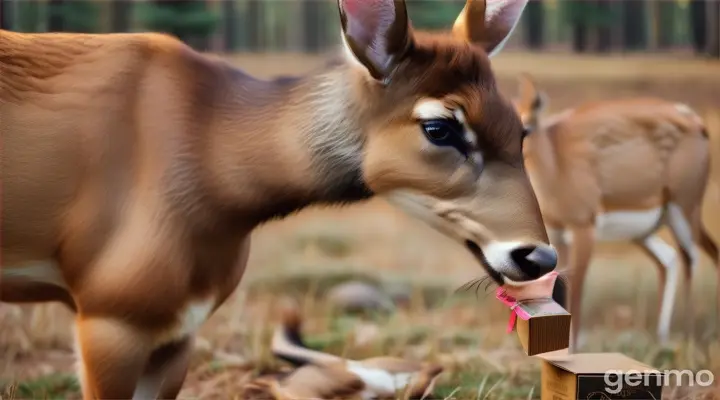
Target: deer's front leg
x,y
116,361
165,371
111,355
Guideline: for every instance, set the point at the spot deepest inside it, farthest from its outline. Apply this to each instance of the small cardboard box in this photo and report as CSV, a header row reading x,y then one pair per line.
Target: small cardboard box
x,y
546,329
597,376
542,325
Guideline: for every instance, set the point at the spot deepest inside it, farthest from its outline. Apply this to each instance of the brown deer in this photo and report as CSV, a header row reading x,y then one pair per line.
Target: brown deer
x,y
618,171
135,169
321,375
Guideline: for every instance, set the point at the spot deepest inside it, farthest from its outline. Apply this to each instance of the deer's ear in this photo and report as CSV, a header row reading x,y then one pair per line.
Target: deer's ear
x,y
376,32
532,97
488,23
528,89
541,101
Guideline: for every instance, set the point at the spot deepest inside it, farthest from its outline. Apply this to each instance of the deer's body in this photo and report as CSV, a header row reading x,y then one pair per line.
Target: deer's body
x,y
134,170
619,171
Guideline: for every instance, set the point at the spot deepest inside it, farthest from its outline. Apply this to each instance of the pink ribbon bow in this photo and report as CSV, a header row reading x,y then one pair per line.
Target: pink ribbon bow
x,y
513,296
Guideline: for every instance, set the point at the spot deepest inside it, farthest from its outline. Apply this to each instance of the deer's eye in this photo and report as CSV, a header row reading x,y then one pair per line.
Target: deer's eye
x,y
445,132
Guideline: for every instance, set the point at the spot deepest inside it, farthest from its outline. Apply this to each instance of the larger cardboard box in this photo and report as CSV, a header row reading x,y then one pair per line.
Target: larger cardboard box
x,y
597,376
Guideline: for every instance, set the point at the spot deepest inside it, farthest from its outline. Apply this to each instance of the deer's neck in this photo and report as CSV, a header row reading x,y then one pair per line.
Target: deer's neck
x,y
282,145
541,157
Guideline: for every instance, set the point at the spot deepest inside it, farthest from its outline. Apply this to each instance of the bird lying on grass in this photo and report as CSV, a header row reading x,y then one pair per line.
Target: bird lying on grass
x,y
325,376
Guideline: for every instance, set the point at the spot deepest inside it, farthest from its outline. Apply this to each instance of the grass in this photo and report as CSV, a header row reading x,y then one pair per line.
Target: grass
x,y
307,254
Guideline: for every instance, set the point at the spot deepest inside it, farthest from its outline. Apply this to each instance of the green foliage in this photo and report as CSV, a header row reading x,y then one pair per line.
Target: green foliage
x,y
30,16
180,18
588,13
434,14
82,16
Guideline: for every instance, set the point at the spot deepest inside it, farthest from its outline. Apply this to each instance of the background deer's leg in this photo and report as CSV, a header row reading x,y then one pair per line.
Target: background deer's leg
x,y
165,372
557,240
112,356
579,260
665,258
679,220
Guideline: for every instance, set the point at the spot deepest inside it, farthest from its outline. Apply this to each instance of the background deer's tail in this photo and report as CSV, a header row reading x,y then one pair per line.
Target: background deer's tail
x,y
287,341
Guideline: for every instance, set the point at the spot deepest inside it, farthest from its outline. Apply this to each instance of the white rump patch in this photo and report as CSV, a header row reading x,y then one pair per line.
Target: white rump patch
x,y
627,225
624,225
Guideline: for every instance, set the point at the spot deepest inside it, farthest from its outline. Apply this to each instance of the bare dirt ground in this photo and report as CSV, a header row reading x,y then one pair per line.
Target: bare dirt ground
x,y
304,254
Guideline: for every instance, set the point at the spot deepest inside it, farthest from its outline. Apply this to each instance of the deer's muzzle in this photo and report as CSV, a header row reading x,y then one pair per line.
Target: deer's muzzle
x,y
517,256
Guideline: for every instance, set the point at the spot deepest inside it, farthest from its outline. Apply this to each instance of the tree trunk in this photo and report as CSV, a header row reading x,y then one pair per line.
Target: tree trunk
x,y
698,24
603,38
29,16
202,41
6,14
229,9
714,29
311,14
666,24
254,24
120,11
56,17
634,25
579,37
534,28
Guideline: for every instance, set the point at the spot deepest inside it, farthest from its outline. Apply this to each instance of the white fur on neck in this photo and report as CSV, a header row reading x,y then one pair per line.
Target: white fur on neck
x,y
332,131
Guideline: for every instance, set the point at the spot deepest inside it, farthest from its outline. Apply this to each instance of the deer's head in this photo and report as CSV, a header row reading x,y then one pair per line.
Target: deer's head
x,y
441,141
530,102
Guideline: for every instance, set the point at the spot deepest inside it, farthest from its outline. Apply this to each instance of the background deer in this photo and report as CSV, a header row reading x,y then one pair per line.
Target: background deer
x,y
618,171
134,170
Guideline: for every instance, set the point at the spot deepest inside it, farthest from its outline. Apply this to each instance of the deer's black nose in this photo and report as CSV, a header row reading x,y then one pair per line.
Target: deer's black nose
x,y
534,261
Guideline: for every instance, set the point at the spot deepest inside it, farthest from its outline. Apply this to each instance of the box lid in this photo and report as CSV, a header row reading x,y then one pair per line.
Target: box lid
x,y
598,363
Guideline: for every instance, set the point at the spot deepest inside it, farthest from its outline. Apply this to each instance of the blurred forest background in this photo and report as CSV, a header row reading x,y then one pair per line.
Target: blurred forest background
x,y
228,26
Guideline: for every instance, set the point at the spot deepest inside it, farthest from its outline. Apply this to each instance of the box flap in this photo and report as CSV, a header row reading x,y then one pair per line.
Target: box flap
x,y
538,308
598,363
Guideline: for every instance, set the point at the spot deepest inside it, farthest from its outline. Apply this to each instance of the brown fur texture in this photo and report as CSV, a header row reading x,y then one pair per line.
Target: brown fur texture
x,y
623,155
134,170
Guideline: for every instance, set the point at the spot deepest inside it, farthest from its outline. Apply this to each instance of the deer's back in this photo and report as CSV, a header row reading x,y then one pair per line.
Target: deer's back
x,y
633,148
75,129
